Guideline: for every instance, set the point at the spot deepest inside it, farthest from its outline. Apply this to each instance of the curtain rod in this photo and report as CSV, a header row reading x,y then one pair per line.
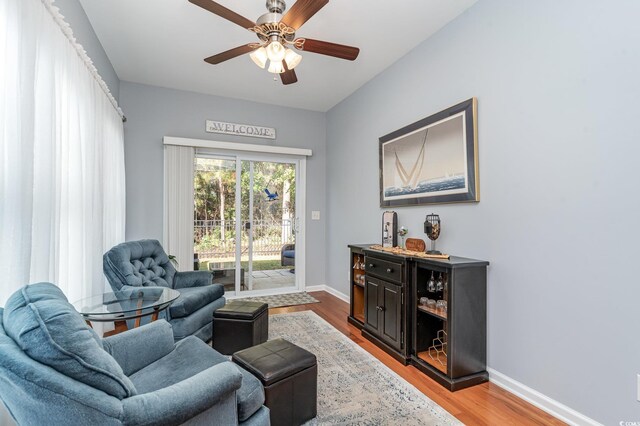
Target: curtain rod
x,y
54,11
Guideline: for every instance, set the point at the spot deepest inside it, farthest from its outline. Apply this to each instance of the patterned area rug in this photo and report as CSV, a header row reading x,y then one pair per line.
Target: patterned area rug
x,y
280,300
354,387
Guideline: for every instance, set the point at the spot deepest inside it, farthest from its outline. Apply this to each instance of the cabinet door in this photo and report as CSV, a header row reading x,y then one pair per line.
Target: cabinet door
x,y
372,291
391,302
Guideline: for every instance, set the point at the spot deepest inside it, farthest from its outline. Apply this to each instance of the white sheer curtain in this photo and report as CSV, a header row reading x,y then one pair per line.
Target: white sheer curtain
x,y
62,199
178,204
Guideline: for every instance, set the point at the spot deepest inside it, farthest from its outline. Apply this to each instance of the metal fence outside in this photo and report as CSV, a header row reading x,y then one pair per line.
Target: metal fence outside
x,y
216,239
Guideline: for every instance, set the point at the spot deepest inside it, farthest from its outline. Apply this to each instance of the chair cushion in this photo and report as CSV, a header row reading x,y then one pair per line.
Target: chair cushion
x,y
193,298
191,356
138,263
289,253
48,329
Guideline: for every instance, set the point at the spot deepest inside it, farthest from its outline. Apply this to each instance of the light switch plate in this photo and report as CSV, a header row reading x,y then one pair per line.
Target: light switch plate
x,y
315,215
638,396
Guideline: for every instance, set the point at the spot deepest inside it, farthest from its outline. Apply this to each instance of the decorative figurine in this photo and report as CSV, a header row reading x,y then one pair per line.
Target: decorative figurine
x,y
402,232
432,229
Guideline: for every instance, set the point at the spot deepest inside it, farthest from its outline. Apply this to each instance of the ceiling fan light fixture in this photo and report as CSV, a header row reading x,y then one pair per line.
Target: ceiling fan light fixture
x,y
292,59
259,57
276,67
275,51
276,33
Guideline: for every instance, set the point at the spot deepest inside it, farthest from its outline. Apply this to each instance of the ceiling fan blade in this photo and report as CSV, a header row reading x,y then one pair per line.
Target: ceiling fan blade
x,y
230,54
301,11
331,49
225,13
288,76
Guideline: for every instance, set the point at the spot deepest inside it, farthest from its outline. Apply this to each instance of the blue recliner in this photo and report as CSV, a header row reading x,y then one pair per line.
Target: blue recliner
x,y
55,370
144,263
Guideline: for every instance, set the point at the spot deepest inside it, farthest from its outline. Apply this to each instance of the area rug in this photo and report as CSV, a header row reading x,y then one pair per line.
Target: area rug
x,y
355,388
280,300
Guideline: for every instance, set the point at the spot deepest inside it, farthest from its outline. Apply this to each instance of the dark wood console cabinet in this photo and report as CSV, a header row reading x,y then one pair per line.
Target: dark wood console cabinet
x,y
447,343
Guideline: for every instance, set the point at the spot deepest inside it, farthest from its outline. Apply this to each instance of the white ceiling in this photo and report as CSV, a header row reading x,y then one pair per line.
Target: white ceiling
x,y
163,43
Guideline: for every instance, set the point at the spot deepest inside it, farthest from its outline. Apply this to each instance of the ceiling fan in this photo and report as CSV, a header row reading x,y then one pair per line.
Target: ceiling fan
x,y
276,32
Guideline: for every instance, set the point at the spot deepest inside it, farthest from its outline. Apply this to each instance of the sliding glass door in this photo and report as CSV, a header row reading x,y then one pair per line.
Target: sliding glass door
x,y
246,222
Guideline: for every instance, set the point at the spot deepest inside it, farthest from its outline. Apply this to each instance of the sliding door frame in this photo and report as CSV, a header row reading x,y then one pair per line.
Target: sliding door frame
x,y
300,223
263,153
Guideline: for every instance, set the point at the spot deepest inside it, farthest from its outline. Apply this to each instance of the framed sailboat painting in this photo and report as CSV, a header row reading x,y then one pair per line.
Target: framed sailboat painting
x,y
432,161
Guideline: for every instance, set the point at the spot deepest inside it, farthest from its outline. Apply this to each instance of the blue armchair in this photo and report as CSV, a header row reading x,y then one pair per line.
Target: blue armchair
x,y
288,255
54,369
144,263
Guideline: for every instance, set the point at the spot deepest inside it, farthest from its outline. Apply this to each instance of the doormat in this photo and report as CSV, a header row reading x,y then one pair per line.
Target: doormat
x,y
280,300
354,388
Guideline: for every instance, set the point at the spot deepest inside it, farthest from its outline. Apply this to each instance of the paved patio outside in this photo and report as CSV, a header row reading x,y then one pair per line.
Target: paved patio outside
x,y
273,279
276,278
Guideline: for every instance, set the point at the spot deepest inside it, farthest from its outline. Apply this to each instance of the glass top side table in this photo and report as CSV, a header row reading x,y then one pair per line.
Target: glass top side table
x,y
127,304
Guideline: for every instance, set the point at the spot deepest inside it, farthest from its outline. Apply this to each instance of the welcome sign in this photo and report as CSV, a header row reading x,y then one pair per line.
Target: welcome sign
x,y
240,129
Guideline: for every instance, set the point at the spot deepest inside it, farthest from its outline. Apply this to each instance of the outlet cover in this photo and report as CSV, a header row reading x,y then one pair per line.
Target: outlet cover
x,y
315,215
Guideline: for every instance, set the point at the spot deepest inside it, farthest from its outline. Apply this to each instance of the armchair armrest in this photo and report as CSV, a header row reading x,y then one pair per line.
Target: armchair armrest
x,y
192,279
137,348
179,402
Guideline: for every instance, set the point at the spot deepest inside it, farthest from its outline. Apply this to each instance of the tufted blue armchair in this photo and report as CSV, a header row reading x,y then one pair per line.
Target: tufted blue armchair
x,y
144,263
55,370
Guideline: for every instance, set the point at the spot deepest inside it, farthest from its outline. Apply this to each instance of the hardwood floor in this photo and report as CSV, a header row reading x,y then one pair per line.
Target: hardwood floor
x,y
485,404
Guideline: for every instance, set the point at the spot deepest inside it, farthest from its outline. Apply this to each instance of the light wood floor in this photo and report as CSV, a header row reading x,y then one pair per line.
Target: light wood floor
x,y
485,404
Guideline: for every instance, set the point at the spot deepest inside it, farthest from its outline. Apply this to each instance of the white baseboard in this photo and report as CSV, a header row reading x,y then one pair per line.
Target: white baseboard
x,y
543,402
329,290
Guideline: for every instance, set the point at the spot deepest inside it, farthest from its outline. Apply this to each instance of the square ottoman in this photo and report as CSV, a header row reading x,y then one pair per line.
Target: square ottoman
x,y
239,325
289,375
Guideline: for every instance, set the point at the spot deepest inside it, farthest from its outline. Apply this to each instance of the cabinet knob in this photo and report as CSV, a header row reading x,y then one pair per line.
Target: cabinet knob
x,y
389,270
371,265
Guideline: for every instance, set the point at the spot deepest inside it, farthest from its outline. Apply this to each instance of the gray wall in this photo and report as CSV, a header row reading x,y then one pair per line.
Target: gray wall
x,y
154,112
83,31
558,88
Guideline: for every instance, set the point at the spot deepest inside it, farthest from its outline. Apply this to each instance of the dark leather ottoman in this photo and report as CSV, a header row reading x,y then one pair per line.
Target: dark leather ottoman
x,y
289,375
239,325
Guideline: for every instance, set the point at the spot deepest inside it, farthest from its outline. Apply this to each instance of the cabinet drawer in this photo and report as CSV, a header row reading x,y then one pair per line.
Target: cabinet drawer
x,y
390,271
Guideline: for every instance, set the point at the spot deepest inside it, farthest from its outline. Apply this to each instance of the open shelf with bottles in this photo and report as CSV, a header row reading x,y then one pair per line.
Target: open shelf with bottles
x,y
356,284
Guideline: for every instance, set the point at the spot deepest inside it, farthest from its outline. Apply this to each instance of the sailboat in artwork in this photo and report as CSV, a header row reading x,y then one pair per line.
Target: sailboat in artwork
x,y
410,179
413,181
